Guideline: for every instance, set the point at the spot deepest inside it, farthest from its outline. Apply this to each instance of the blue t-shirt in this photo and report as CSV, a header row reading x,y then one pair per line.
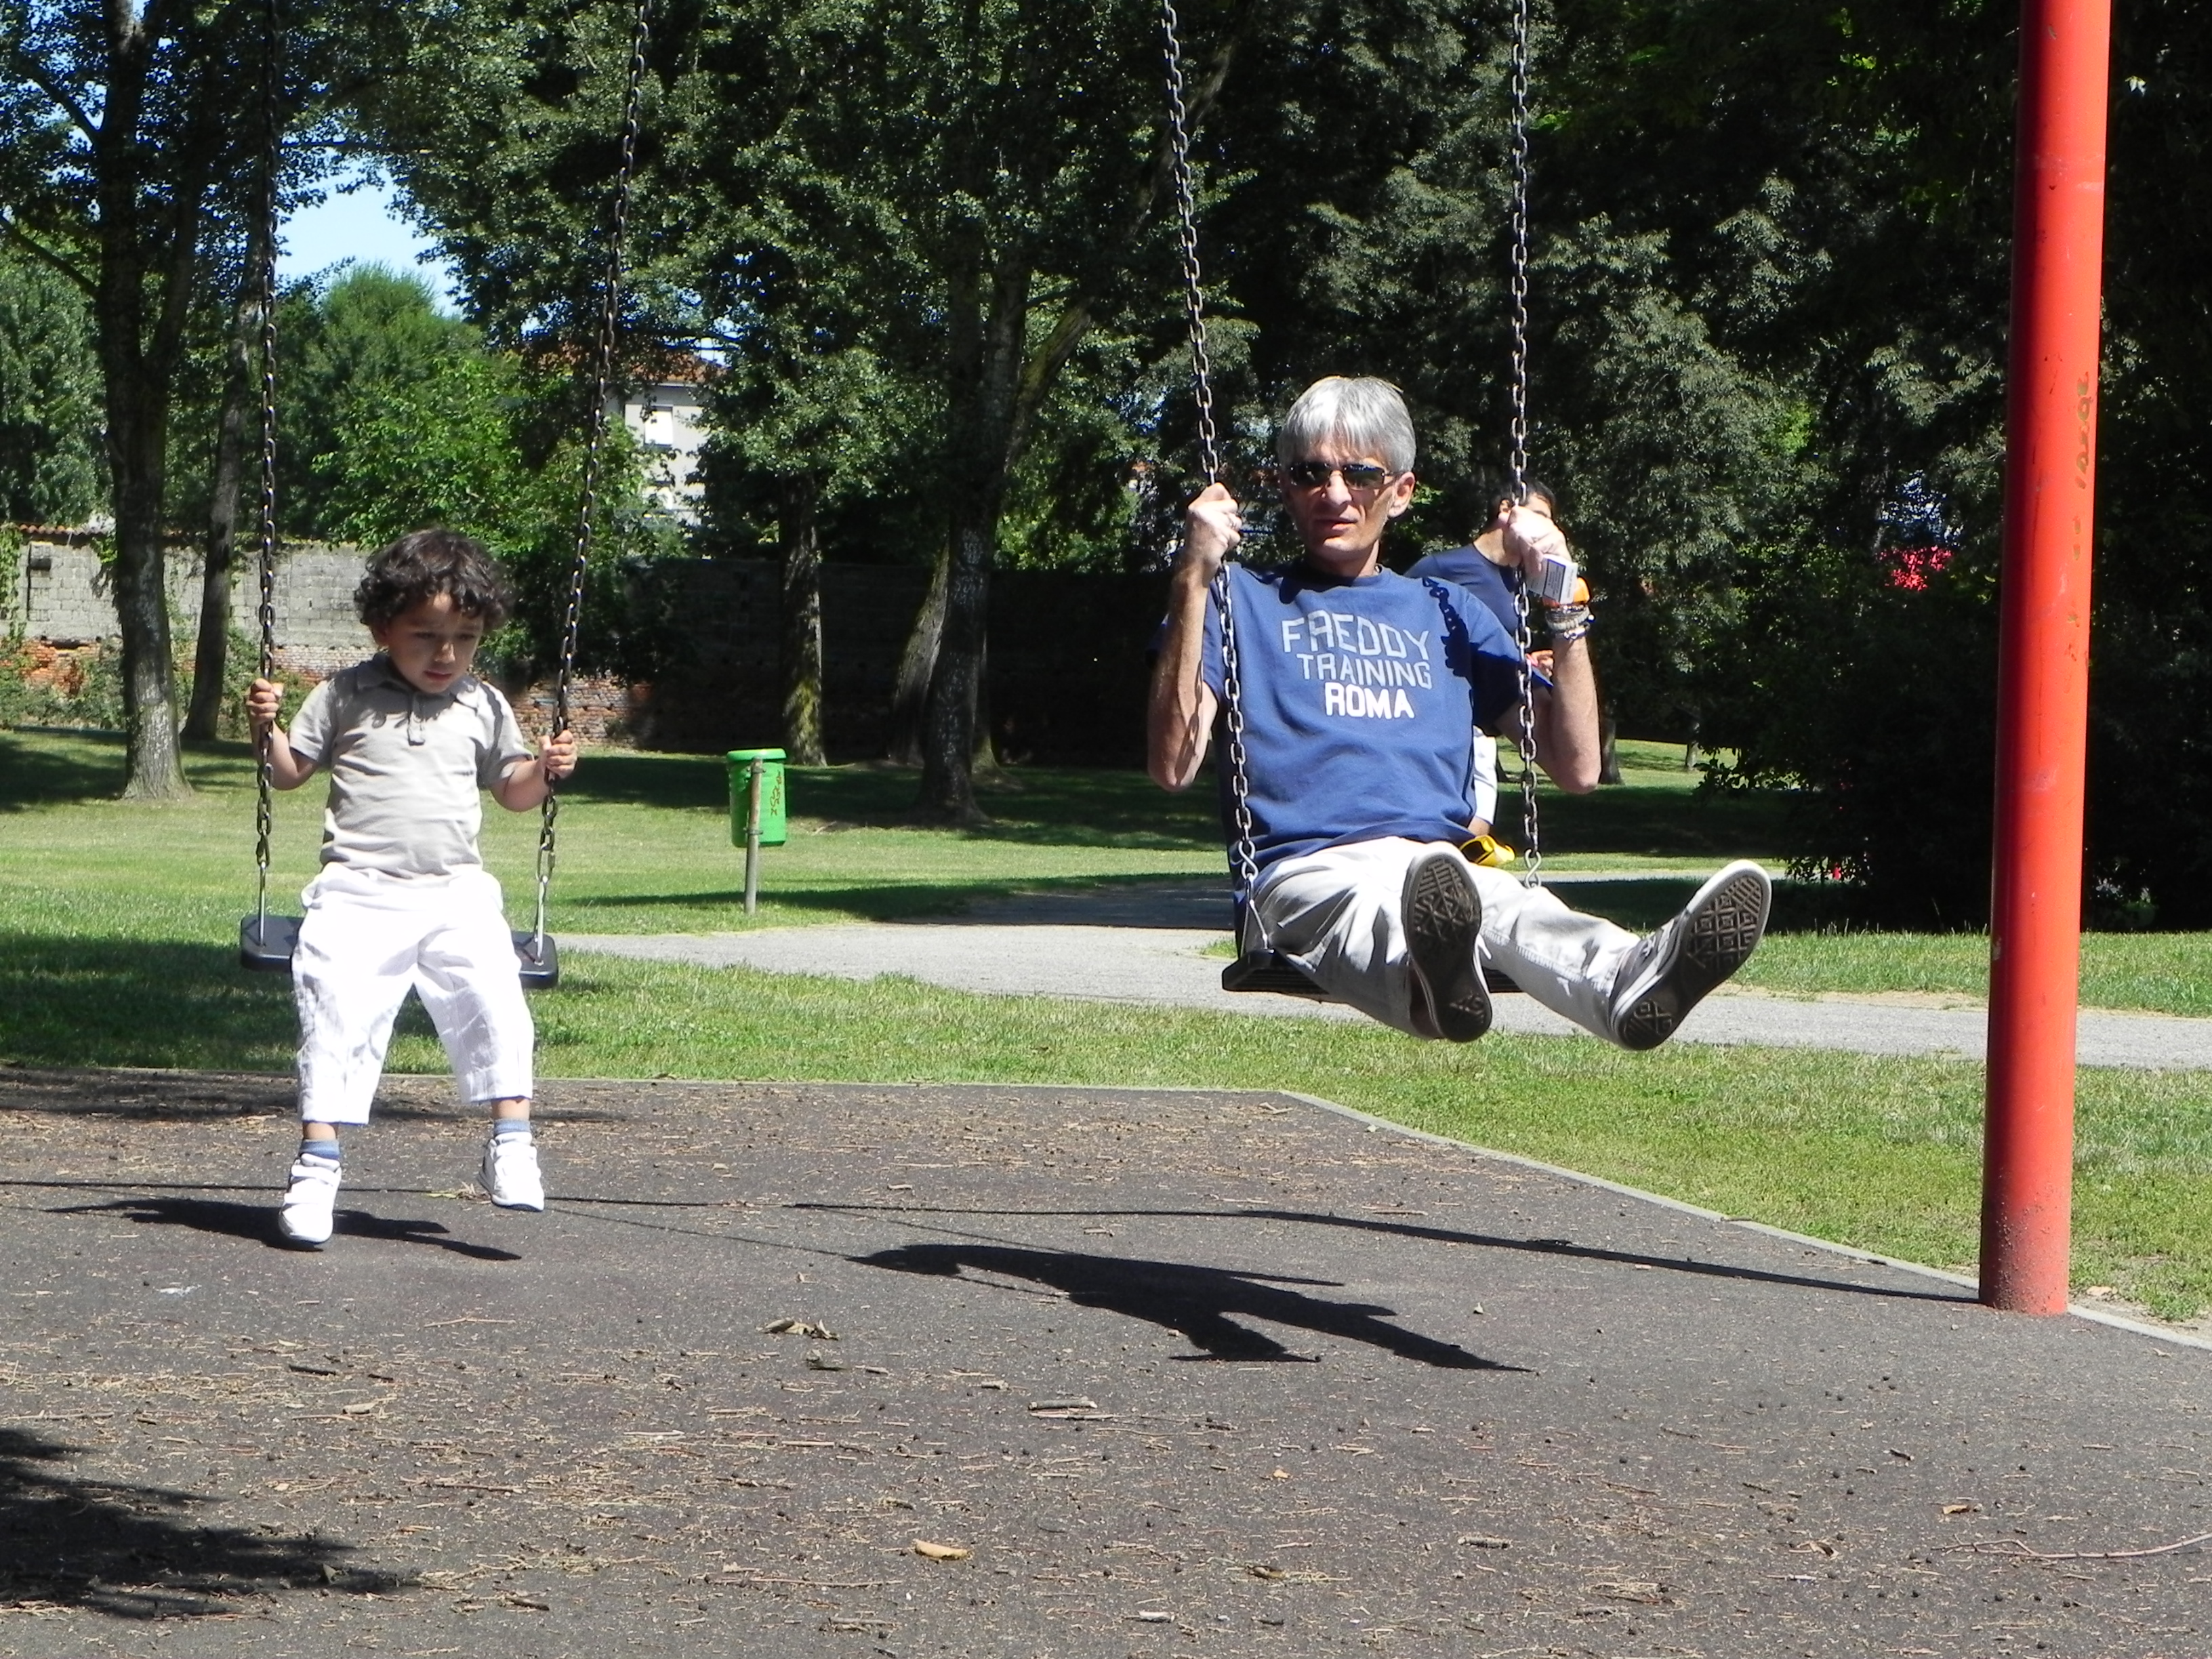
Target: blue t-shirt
x,y
1494,584
1360,698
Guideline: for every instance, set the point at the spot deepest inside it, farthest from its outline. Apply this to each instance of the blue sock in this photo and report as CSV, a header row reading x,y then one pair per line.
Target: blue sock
x,y
328,1149
503,1126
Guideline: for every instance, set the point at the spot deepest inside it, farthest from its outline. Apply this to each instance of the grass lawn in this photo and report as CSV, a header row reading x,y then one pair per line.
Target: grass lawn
x,y
645,849
118,922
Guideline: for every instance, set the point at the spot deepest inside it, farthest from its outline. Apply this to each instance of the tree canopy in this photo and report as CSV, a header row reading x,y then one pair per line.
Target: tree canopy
x,y
50,425
923,242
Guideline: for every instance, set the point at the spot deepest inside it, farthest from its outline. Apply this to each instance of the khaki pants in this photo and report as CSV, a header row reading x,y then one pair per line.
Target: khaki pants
x,y
1335,913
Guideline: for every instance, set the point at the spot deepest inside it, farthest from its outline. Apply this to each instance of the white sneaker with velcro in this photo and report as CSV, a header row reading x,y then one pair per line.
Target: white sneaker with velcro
x,y
305,1217
510,1173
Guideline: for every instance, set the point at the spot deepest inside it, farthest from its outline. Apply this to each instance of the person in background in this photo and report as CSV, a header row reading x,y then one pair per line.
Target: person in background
x,y
1484,570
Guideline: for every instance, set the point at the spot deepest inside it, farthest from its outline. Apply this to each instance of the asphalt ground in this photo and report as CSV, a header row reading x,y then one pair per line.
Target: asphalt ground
x,y
1152,943
1163,1373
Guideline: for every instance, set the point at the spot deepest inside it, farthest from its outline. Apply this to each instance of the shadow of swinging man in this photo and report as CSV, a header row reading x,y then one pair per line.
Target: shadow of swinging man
x,y
1198,1303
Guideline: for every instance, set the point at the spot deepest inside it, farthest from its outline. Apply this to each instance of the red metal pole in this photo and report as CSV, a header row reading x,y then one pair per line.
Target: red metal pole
x,y
2043,686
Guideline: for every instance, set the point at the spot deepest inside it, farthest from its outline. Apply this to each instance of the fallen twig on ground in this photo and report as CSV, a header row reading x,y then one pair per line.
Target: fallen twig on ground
x,y
2013,1546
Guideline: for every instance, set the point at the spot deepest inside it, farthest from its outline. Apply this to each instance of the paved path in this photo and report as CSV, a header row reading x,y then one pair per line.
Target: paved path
x,y
1149,945
1170,1373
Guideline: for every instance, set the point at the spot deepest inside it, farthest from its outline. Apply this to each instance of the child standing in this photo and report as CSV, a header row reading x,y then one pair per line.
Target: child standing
x,y
403,901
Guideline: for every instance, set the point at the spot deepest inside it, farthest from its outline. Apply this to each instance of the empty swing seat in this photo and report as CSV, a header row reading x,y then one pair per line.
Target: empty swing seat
x,y
265,944
537,961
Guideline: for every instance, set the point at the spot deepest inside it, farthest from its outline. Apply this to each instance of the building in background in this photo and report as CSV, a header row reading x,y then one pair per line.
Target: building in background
x,y
665,412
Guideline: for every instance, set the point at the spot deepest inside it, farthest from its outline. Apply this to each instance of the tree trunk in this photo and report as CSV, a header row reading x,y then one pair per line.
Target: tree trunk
x,y
137,431
948,739
917,664
802,623
995,389
1609,746
138,370
984,380
212,652
985,758
155,766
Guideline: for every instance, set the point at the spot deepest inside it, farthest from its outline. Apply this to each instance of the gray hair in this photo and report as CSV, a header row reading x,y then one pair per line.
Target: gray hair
x,y
1366,415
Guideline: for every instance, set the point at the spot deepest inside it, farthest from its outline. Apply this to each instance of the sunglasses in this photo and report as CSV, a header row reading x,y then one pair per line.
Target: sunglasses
x,y
1357,474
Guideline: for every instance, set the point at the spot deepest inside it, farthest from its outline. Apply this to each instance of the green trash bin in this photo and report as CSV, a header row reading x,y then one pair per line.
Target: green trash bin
x,y
774,810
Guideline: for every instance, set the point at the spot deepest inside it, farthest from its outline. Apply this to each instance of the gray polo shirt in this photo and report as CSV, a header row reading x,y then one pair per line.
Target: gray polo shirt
x,y
407,769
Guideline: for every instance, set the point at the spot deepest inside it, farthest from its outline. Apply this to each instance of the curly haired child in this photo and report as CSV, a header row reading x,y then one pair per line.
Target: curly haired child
x,y
410,739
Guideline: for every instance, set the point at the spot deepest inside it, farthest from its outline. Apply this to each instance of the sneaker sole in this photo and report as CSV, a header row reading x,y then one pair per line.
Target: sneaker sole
x,y
1720,928
535,1206
1443,919
483,1177
298,1240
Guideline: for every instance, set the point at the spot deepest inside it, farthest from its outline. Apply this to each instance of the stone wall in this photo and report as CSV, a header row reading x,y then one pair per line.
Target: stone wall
x,y
58,592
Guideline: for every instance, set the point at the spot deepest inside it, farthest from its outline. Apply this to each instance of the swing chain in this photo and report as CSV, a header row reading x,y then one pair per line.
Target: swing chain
x,y
1240,783
596,428
1517,460
1194,298
264,818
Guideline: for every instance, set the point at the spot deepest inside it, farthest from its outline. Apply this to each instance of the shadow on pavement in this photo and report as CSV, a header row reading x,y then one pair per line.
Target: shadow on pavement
x,y
229,1218
130,1552
1564,1247
1195,1302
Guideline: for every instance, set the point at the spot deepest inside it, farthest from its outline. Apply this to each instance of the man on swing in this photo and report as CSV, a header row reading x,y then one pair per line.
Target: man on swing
x,y
1361,690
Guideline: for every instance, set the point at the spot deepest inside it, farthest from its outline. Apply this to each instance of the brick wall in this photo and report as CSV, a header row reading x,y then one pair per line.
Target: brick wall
x,y
598,709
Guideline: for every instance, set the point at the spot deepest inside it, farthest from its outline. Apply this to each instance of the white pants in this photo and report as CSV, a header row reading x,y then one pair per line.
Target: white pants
x,y
1486,780
366,941
1335,913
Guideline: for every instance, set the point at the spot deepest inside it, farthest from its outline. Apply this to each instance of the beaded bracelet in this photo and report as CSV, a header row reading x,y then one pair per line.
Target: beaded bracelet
x,y
1568,622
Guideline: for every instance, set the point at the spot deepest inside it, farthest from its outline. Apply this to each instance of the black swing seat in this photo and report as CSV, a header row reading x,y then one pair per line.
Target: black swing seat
x,y
1259,969
265,944
1272,971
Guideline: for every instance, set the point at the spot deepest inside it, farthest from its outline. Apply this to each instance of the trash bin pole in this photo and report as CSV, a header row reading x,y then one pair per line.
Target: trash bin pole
x,y
753,836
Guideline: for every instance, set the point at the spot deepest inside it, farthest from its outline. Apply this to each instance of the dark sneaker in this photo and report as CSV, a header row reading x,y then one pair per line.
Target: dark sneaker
x,y
1443,922
1669,972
